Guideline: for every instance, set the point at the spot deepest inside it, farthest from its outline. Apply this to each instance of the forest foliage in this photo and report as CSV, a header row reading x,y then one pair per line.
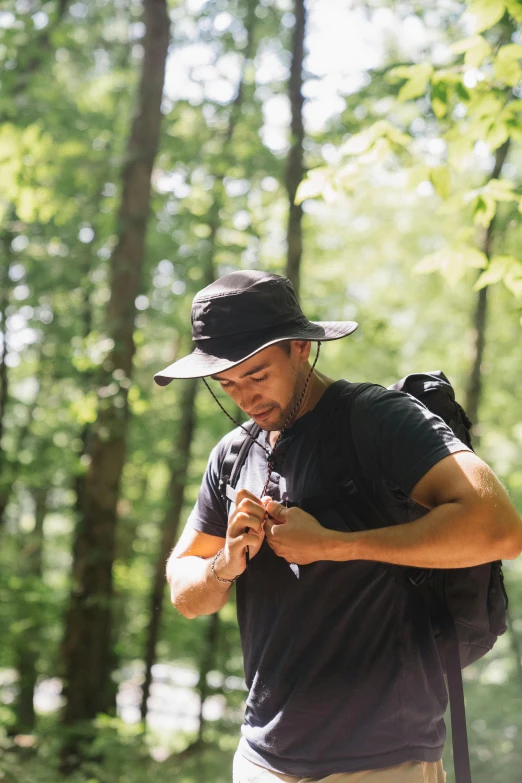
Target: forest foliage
x,y
407,220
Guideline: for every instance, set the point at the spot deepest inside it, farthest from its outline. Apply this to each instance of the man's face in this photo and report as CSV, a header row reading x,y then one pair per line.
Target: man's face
x,y
267,386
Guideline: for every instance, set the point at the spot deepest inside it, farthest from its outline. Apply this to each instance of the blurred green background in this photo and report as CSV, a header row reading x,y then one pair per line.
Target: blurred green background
x,y
146,149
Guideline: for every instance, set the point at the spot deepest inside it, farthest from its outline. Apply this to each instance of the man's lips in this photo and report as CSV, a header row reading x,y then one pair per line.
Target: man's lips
x,y
262,415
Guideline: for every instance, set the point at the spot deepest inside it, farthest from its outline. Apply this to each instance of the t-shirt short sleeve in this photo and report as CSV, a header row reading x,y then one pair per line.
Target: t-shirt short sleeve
x,y
398,438
209,514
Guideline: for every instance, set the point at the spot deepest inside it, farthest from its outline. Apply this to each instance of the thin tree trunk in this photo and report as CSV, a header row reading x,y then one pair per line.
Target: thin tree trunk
x,y
187,421
295,165
6,470
176,494
28,644
12,470
87,646
38,54
207,664
516,648
474,389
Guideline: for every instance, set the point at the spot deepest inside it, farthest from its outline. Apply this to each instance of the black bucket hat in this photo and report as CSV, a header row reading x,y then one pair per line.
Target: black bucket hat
x,y
241,314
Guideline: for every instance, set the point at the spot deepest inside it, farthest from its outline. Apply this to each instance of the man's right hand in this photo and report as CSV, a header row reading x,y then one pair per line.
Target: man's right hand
x,y
245,529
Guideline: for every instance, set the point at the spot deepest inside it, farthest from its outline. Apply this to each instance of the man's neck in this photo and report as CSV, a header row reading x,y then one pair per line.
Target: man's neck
x,y
317,386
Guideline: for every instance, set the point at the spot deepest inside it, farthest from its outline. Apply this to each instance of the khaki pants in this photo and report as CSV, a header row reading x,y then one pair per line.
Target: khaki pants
x,y
409,772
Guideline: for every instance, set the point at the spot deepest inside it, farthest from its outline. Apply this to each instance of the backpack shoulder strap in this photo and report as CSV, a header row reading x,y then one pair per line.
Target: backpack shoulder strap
x,y
350,479
235,458
338,464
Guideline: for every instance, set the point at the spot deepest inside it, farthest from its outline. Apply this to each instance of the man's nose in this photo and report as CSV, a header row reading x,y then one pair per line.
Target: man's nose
x,y
249,399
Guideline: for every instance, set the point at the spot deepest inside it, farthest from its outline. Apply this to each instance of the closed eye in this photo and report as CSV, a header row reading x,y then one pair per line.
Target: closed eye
x,y
258,380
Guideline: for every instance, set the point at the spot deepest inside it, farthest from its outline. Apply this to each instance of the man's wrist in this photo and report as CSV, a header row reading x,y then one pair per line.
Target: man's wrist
x,y
341,547
219,570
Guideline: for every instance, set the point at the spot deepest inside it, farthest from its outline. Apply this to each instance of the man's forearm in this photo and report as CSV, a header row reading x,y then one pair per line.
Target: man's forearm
x,y
449,536
193,588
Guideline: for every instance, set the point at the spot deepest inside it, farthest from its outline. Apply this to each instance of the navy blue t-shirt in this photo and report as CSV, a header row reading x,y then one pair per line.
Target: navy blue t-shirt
x,y
340,661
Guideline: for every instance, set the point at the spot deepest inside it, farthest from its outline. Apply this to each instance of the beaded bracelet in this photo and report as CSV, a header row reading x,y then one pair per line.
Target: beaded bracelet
x,y
226,581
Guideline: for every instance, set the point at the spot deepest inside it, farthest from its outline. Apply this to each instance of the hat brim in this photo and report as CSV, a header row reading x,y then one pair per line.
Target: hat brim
x,y
199,364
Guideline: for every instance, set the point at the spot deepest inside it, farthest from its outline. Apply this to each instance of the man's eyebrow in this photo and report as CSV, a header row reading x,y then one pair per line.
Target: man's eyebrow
x,y
253,371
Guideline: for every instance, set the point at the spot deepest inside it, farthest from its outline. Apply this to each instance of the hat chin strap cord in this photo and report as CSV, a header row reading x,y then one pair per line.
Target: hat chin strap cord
x,y
270,453
287,423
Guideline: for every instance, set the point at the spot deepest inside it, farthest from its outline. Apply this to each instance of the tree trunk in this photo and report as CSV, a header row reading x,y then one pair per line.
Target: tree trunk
x,y
22,436
28,643
295,166
206,665
474,389
5,289
176,494
87,645
516,648
38,54
187,422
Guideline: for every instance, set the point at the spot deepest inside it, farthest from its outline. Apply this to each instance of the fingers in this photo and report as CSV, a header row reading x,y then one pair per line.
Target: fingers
x,y
254,508
249,513
277,511
242,522
244,493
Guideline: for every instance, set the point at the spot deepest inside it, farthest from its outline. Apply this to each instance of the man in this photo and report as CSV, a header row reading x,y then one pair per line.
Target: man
x,y
345,682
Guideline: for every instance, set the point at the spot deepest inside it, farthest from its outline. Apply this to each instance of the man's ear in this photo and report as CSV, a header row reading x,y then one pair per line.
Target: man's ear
x,y
303,348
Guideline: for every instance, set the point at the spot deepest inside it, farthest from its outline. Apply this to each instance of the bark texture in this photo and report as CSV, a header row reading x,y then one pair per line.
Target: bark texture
x,y
176,493
184,435
295,165
474,388
207,662
28,643
87,643
5,473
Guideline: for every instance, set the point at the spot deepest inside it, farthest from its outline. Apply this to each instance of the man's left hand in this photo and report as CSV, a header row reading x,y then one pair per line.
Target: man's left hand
x,y
295,535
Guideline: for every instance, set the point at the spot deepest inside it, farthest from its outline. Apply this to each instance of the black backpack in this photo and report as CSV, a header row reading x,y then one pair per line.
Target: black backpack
x,y
467,605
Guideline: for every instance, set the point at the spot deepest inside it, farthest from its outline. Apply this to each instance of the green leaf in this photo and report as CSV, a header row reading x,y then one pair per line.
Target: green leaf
x,y
465,44
485,209
485,105
515,9
495,272
475,49
513,278
446,76
487,197
462,91
507,64
501,190
397,136
497,135
398,73
439,98
362,142
440,108
417,82
441,180
486,13
312,186
452,262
